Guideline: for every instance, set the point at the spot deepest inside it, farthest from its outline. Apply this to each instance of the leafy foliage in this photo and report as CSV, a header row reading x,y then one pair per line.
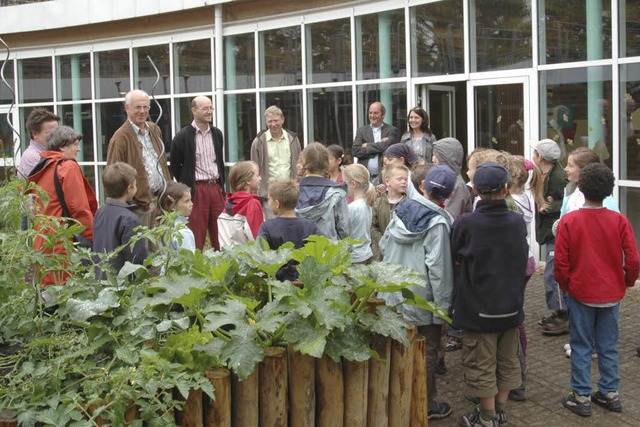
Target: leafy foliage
x,y
96,349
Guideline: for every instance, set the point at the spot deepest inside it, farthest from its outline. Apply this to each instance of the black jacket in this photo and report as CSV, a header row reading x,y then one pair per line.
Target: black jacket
x,y
183,155
490,252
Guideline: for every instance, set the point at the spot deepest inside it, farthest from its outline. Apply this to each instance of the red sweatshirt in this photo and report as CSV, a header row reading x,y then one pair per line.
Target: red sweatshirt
x,y
248,205
596,255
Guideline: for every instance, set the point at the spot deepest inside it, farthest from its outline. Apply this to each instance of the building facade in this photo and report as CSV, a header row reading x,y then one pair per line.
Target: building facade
x,y
493,73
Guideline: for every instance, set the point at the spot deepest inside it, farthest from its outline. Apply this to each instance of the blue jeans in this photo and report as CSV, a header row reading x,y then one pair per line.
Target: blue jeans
x,y
591,325
552,292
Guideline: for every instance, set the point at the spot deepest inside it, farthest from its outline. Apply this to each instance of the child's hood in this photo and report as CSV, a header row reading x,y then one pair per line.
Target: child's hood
x,y
416,215
239,200
313,191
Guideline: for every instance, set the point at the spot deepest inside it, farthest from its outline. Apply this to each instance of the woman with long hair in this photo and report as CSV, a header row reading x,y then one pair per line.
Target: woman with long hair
x,y
419,135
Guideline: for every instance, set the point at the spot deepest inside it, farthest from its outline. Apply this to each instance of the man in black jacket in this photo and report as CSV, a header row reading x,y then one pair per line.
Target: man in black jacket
x,y
197,161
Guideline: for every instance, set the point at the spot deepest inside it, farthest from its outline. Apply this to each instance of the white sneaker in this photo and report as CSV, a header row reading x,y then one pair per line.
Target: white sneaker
x,y
567,346
568,352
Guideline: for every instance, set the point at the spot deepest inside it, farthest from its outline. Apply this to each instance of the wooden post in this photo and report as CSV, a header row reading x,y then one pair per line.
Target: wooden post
x,y
419,409
329,393
378,393
191,414
218,410
273,388
400,381
245,410
356,384
302,393
132,412
8,419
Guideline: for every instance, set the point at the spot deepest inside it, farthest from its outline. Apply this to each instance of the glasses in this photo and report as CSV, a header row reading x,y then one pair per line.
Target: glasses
x,y
141,108
206,109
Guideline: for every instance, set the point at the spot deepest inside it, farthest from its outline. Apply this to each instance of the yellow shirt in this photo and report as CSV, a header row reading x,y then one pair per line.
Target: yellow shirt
x,y
279,156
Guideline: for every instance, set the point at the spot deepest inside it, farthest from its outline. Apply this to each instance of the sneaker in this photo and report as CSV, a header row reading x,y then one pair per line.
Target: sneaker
x,y
611,400
439,410
567,347
441,369
518,395
474,419
580,405
557,326
502,417
453,344
547,319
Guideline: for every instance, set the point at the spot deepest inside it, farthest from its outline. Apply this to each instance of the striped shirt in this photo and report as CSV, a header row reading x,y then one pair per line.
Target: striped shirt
x,y
206,167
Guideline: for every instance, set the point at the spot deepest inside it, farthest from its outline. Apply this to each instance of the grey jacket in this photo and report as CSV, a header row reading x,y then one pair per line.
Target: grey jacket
x,y
418,237
364,135
325,203
260,155
449,152
425,149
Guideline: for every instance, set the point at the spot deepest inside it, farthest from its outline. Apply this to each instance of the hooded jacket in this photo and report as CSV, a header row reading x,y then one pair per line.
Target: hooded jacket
x,y
325,202
449,152
78,196
490,252
418,237
247,205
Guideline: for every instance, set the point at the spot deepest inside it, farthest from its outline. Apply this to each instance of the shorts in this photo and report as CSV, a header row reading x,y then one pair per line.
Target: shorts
x,y
491,362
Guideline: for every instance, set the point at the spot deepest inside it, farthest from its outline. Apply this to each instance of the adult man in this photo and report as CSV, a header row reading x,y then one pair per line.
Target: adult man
x,y
276,152
197,161
139,144
40,123
371,140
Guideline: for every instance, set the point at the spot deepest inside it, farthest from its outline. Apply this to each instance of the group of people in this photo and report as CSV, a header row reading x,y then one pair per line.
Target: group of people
x,y
405,201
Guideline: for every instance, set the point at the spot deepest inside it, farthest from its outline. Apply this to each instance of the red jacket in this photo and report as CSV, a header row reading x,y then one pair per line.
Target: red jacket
x,y
78,195
249,206
596,257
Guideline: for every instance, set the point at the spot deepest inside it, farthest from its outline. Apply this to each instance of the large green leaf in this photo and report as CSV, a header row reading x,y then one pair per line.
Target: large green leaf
x,y
351,343
231,313
82,310
387,323
305,336
243,352
183,290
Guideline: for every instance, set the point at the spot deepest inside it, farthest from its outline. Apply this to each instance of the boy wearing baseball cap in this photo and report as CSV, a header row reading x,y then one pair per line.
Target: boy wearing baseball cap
x,y
418,237
490,253
545,155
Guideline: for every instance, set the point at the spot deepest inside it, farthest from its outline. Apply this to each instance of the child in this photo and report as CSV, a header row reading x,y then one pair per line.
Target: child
x,y
286,226
244,179
395,178
364,196
449,151
418,237
337,160
545,155
489,248
401,154
114,223
177,197
596,260
322,200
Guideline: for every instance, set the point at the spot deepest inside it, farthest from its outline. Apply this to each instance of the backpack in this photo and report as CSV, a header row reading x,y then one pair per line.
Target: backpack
x,y
233,229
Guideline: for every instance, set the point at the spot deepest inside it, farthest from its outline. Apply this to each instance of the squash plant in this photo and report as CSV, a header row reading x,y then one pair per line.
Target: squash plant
x,y
96,349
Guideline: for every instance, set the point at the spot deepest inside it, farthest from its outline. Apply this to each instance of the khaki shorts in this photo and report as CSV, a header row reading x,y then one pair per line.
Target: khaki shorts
x,y
491,362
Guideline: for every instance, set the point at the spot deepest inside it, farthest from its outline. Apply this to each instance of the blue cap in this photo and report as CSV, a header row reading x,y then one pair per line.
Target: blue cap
x,y
489,178
440,181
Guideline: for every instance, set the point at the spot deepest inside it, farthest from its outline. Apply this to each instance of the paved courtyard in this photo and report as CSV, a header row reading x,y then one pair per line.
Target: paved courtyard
x,y
549,370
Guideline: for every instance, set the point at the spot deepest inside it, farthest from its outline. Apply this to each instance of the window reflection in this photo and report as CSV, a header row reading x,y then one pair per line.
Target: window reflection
x,y
331,116
112,73
630,122
577,112
330,57
437,38
35,80
630,206
630,31
381,45
502,35
569,26
6,94
145,75
392,95
281,57
240,120
74,77
499,118
110,116
79,117
192,66
239,61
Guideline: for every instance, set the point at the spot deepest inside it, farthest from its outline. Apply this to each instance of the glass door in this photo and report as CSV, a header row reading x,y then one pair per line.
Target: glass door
x,y
443,104
500,115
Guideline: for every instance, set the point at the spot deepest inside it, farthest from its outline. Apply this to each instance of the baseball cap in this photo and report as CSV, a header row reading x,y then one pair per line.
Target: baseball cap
x,y
440,181
489,178
547,148
396,151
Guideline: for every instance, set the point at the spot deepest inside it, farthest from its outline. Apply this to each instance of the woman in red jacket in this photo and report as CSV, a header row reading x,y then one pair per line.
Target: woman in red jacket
x,y
69,192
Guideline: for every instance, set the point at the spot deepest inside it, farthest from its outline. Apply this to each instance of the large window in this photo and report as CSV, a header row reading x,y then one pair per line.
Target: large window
x,y
381,45
240,61
394,98
575,110
73,74
331,116
575,30
630,206
630,31
281,57
630,122
6,93
241,125
437,38
112,73
329,51
146,77
290,102
35,83
192,67
501,35
79,117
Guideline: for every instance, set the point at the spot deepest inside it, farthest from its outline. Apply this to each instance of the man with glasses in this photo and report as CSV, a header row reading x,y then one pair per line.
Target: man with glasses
x,y
138,143
197,161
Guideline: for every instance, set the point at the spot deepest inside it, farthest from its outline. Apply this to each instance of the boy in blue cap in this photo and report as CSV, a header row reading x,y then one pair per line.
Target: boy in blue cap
x,y
490,253
418,237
